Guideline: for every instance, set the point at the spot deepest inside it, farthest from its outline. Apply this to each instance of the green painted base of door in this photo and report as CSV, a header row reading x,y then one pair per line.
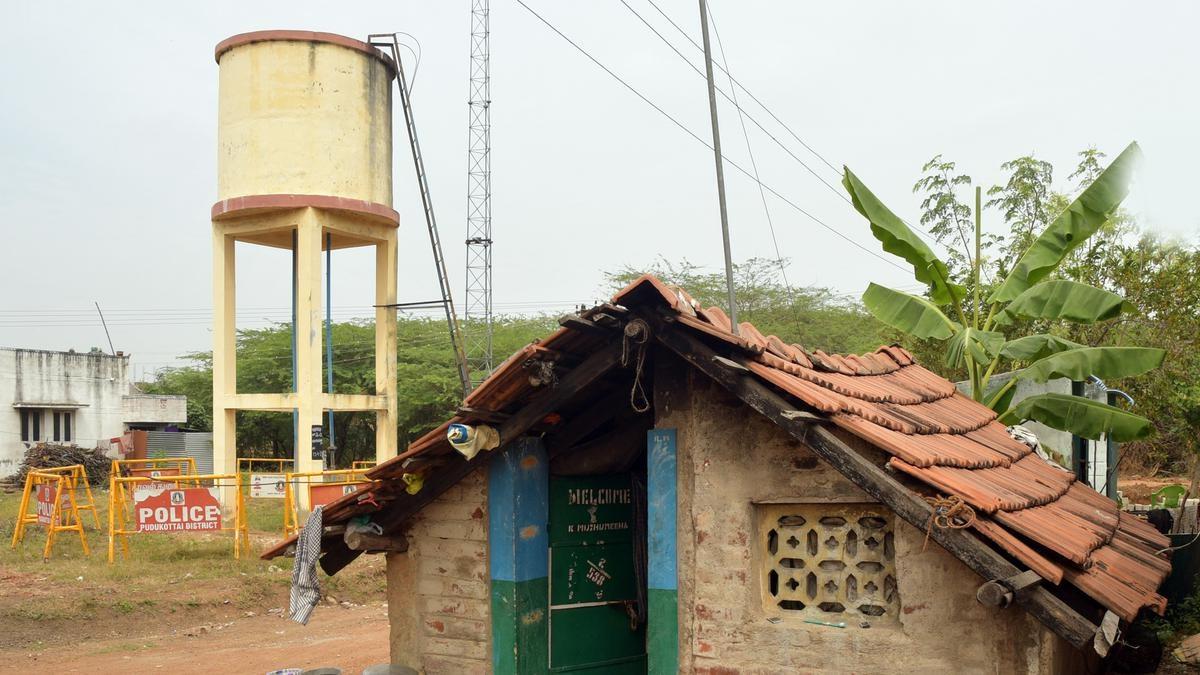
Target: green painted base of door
x,y
662,631
520,632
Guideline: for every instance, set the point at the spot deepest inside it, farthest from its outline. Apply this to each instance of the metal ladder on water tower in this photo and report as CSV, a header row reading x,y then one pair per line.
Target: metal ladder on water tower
x,y
391,42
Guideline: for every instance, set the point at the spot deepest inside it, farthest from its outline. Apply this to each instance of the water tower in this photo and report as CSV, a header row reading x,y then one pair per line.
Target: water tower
x,y
304,163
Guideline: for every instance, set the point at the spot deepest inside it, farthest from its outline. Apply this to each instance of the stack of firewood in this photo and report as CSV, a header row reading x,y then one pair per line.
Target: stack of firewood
x,y
47,455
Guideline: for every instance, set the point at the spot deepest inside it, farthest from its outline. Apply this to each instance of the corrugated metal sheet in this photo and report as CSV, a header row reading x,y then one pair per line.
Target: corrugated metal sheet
x,y
195,444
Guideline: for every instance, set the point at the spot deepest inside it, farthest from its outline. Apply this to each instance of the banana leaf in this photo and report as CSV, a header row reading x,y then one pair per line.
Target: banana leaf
x,y
1035,347
897,239
1110,363
981,345
909,313
1063,299
1080,416
1090,210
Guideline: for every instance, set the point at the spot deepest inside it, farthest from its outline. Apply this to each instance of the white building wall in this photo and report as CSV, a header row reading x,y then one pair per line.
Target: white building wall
x,y
154,409
94,382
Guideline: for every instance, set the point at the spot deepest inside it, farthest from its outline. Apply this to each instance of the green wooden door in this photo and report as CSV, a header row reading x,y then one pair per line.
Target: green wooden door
x,y
593,588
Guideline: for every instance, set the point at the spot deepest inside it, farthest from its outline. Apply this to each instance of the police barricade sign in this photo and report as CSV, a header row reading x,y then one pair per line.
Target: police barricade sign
x,y
153,475
45,503
268,485
320,495
51,494
192,509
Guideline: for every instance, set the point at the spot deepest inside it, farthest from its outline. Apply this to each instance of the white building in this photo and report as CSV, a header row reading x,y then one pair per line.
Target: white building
x,y
71,397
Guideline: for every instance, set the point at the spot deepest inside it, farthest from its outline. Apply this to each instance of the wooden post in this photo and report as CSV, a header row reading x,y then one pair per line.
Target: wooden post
x,y
375,543
1000,592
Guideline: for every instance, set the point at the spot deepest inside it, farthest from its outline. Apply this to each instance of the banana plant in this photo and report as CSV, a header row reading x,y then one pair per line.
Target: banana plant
x,y
976,328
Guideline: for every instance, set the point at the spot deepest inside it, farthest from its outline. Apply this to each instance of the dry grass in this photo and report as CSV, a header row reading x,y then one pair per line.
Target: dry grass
x,y
168,577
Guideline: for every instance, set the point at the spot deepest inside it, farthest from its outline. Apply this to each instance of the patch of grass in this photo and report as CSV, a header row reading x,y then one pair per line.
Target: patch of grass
x,y
126,647
1181,621
178,575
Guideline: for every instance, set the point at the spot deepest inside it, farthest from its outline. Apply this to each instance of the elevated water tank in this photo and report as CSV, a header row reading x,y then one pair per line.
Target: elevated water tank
x,y
303,113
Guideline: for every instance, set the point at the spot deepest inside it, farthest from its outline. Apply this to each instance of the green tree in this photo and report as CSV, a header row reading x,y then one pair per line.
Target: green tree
x,y
944,213
814,315
1025,201
427,381
982,332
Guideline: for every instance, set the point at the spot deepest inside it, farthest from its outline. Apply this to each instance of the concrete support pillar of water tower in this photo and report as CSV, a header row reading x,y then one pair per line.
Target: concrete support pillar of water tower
x,y
309,353
224,417
385,347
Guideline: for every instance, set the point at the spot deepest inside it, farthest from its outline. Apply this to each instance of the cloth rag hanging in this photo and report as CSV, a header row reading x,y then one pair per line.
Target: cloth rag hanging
x,y
306,587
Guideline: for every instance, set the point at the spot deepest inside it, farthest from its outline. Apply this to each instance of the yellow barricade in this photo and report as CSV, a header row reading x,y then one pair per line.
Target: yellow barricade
x,y
363,464
320,492
76,474
258,484
188,507
154,468
47,490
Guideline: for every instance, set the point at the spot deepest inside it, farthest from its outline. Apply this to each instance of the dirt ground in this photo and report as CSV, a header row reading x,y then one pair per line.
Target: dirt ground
x,y
1137,489
350,638
179,604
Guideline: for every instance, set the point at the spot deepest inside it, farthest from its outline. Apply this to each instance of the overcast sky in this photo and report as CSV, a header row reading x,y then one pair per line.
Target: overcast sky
x,y
109,142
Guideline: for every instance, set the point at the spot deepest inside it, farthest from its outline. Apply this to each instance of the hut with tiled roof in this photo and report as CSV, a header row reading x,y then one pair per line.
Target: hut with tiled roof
x,y
668,494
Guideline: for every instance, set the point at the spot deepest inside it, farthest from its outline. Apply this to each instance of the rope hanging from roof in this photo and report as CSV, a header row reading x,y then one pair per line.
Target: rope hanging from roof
x,y
634,339
949,513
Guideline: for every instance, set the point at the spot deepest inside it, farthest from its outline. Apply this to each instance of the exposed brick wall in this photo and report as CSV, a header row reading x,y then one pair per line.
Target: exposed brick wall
x,y
438,592
729,458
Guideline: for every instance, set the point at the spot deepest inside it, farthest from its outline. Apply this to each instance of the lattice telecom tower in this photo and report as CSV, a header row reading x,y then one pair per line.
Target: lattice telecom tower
x,y
477,327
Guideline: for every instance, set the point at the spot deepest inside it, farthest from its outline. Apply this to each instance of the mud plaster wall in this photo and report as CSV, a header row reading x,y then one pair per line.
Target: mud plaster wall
x,y
731,457
438,593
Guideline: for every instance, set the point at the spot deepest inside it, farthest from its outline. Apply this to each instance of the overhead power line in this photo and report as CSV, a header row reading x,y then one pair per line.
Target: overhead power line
x,y
705,143
733,100
754,98
762,195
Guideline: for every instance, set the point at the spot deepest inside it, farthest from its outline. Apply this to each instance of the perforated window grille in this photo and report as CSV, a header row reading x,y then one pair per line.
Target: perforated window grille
x,y
835,562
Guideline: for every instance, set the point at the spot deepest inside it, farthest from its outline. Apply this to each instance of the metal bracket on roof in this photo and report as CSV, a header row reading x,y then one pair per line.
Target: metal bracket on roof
x,y
732,364
803,415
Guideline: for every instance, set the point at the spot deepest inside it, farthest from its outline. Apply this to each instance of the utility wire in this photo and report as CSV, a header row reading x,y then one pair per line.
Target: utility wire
x,y
743,88
705,143
749,150
733,99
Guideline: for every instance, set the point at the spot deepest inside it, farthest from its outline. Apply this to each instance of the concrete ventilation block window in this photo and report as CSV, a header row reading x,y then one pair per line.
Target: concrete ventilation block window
x,y
833,562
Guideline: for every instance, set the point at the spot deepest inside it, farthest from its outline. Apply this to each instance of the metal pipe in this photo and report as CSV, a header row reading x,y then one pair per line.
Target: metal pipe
x,y
295,412
329,327
716,132
1079,445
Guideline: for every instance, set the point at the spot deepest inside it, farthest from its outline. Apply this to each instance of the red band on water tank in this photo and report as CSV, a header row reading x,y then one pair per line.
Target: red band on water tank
x,y
302,36
238,206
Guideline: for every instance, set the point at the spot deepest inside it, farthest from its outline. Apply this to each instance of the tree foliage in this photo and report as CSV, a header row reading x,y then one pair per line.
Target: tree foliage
x,y
977,331
810,315
427,381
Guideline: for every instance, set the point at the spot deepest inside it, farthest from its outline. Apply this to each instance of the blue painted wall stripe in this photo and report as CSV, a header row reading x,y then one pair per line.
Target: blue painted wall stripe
x,y
661,467
518,510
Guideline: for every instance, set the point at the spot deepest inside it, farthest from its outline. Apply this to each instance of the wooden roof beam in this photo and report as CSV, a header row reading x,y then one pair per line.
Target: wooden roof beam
x,y
599,363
